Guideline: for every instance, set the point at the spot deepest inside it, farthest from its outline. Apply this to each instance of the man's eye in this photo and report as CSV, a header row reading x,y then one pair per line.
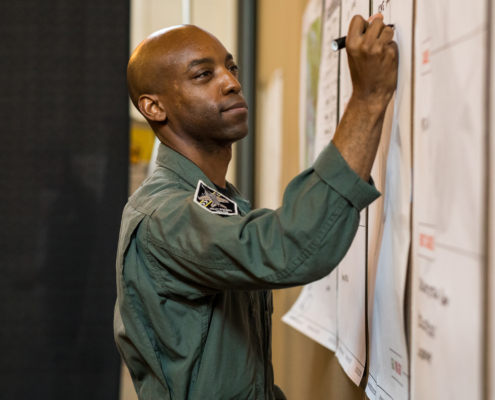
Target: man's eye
x,y
203,74
234,68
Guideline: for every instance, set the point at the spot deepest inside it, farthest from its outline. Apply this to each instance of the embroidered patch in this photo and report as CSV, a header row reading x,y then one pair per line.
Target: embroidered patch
x,y
213,201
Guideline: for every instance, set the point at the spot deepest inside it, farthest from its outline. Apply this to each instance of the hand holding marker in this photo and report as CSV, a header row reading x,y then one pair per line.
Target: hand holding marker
x,y
339,44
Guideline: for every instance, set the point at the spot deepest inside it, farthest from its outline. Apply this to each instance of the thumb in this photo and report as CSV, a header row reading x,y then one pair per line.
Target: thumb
x,y
375,16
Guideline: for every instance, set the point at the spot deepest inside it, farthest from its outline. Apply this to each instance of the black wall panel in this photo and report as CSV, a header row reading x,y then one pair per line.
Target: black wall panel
x,y
247,42
63,184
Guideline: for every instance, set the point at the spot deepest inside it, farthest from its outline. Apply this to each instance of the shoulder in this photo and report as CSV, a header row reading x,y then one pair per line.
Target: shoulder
x,y
155,191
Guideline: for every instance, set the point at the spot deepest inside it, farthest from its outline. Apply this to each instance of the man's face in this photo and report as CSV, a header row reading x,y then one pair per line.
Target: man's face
x,y
203,97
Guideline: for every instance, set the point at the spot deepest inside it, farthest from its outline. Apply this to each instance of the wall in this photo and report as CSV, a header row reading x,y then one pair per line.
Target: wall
x,y
303,368
218,17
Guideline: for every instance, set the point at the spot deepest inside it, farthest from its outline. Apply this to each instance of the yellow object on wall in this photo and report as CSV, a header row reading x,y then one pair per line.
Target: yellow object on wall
x,y
141,143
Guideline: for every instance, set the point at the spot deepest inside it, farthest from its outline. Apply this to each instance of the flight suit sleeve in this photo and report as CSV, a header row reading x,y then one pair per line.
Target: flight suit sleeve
x,y
302,241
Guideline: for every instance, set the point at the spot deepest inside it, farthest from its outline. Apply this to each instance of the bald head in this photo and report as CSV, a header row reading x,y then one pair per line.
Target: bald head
x,y
184,82
154,62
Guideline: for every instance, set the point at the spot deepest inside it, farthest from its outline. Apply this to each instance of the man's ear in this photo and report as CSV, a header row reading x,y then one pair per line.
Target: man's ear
x,y
151,107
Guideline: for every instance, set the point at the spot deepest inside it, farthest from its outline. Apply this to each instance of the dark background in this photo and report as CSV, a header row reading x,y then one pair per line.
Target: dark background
x,y
63,184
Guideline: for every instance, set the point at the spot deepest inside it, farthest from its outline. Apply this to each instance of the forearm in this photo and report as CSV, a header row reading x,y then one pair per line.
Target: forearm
x,y
373,63
358,135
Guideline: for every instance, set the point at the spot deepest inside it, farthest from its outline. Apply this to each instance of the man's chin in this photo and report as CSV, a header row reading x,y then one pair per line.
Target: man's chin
x,y
236,133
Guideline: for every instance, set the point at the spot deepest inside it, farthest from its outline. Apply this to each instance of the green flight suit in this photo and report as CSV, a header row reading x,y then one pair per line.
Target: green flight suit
x,y
193,312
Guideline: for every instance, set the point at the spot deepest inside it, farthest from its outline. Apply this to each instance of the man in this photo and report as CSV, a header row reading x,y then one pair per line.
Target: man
x,y
195,264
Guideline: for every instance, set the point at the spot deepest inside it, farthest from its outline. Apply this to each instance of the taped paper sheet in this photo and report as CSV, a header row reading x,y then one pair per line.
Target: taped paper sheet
x,y
327,105
449,200
389,225
491,232
349,9
315,311
351,306
308,85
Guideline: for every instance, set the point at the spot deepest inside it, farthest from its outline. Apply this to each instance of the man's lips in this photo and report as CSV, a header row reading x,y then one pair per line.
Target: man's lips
x,y
240,106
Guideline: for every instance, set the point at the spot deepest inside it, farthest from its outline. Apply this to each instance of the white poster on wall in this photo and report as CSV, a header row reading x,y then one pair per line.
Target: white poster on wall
x,y
308,81
351,309
327,104
491,256
351,306
389,225
449,200
350,8
315,311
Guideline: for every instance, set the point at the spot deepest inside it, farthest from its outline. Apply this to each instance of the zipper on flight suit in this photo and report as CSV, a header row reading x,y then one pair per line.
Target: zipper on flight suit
x,y
266,307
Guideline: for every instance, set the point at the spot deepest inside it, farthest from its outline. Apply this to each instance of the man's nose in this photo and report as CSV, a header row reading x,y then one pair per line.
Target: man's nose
x,y
230,83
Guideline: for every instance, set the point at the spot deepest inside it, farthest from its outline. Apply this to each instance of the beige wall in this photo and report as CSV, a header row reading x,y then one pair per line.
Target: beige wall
x,y
216,16
304,369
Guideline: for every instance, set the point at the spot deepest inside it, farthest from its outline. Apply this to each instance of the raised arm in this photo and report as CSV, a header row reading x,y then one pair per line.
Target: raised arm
x,y
373,61
310,234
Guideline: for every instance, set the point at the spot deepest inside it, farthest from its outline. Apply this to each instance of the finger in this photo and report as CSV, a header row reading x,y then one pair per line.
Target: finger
x,y
393,50
375,16
357,27
386,35
374,30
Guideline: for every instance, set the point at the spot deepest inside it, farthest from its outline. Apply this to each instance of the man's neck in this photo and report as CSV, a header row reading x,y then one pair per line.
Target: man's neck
x,y
213,161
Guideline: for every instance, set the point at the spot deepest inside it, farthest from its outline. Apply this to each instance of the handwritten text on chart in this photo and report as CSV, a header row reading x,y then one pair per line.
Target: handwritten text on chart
x,y
383,5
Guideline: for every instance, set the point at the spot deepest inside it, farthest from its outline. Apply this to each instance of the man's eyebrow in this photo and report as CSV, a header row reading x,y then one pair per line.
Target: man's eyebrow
x,y
229,57
206,60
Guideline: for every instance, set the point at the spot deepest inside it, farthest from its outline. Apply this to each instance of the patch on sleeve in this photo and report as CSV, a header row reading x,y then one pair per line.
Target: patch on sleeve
x,y
213,201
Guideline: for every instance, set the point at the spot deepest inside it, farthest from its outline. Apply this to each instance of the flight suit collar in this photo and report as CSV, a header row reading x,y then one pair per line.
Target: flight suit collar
x,y
191,173
182,166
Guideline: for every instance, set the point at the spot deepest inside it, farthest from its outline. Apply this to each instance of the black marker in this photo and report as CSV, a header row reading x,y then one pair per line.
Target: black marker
x,y
339,44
